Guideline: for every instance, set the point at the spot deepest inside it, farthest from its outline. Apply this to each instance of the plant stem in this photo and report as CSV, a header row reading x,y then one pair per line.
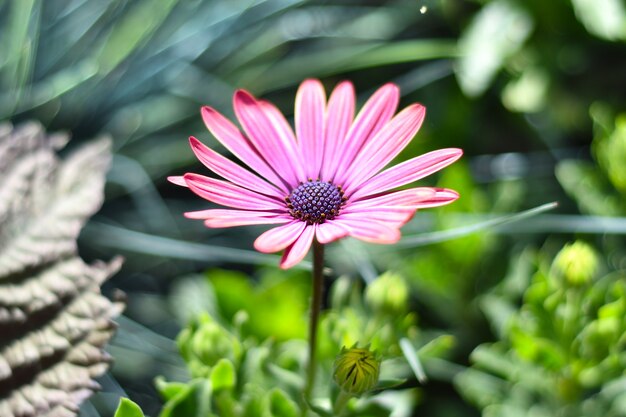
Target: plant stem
x,y
340,403
316,307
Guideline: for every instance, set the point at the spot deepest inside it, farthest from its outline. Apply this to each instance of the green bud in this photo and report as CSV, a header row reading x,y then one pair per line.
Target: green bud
x,y
204,343
388,293
356,370
577,263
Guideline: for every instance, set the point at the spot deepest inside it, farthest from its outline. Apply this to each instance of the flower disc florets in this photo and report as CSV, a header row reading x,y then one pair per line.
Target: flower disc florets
x,y
315,201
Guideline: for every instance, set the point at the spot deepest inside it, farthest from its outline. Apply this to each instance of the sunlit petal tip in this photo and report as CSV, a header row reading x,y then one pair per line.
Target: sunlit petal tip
x,y
345,84
447,193
390,96
206,112
195,215
243,97
420,109
390,89
196,145
453,153
178,180
344,89
311,83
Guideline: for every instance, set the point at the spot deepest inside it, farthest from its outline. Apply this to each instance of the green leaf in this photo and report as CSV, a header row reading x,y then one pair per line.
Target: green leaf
x,y
223,375
127,408
281,405
496,33
169,390
384,384
193,401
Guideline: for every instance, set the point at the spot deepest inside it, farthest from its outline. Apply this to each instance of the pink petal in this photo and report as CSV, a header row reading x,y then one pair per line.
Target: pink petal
x,y
221,223
298,250
232,139
280,237
231,195
278,120
442,197
227,214
229,218
385,146
177,179
370,231
269,137
329,231
394,217
411,198
407,172
339,116
231,171
309,115
376,112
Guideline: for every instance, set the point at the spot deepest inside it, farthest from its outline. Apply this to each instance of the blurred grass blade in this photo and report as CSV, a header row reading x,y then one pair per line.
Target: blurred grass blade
x,y
324,62
129,240
414,361
130,32
19,45
561,223
49,89
441,236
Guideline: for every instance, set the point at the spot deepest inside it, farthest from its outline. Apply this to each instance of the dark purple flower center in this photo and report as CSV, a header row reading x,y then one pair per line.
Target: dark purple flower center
x,y
315,201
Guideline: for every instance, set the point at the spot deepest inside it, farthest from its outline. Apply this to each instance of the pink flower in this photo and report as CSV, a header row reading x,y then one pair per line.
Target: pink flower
x,y
324,181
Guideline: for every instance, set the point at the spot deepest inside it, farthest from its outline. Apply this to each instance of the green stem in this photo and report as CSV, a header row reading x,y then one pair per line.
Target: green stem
x,y
340,402
316,307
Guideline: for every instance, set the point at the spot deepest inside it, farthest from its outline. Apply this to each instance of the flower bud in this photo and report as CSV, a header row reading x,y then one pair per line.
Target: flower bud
x,y
577,263
204,343
388,293
356,370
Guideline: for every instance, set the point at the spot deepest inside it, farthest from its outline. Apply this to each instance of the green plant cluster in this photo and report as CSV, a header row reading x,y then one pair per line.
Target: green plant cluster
x,y
563,351
241,370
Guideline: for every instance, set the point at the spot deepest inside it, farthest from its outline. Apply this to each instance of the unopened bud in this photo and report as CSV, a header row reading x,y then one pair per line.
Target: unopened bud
x,y
204,343
356,370
577,263
389,293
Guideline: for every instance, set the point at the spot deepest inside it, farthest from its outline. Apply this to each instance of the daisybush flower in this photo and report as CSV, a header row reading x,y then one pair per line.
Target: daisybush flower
x,y
324,181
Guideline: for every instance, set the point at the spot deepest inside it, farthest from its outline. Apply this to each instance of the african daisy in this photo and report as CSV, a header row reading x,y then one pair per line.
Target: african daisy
x,y
327,180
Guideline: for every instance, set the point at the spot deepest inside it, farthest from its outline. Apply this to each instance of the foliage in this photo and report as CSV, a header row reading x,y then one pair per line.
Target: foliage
x,y
239,372
127,408
562,352
53,319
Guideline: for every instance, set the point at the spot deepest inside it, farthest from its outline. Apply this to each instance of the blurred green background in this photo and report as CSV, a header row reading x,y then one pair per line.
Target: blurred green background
x,y
533,91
